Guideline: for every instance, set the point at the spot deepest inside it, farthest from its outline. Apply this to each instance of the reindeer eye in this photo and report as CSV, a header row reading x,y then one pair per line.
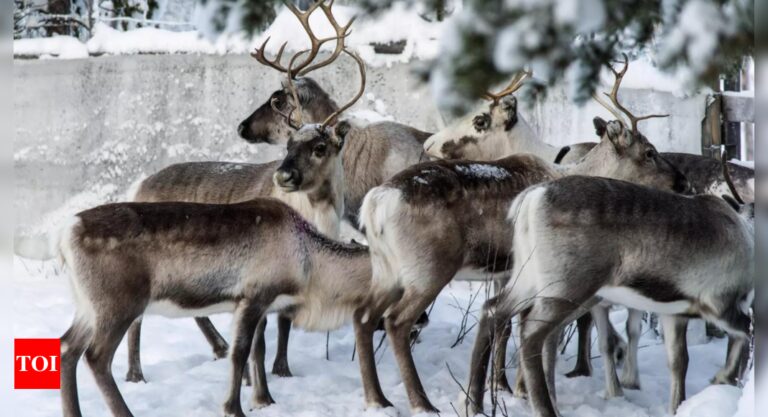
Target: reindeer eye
x,y
320,150
650,153
482,122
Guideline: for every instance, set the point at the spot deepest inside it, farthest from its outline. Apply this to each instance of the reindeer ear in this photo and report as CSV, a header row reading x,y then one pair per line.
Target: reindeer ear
x,y
341,130
508,106
618,135
600,125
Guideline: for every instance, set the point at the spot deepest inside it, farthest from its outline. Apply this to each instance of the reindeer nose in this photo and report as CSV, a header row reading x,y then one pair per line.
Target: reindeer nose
x,y
241,129
289,178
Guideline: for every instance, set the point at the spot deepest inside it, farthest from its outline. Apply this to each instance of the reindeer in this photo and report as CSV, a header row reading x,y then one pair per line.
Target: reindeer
x,y
373,152
498,131
193,259
579,238
310,179
438,218
706,178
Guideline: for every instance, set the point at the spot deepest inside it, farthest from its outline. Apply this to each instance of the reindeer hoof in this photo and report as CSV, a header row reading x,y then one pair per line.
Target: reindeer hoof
x,y
280,368
261,402
630,383
135,376
576,372
722,379
426,409
233,410
502,384
220,352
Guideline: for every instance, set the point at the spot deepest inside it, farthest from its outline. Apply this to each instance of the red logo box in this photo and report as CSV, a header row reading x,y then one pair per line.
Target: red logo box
x,y
37,364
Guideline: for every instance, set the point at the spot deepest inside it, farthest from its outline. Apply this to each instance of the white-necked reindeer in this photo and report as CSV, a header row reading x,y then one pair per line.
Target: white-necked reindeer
x,y
437,218
373,151
192,259
579,238
498,131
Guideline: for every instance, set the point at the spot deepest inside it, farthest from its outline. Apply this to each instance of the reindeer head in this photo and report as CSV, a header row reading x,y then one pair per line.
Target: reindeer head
x,y
628,155
314,150
313,154
488,133
265,124
625,153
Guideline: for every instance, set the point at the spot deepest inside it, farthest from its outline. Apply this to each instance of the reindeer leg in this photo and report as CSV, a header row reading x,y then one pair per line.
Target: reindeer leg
x,y
612,386
73,344
398,328
501,339
374,396
583,357
214,338
677,357
549,358
134,357
491,321
544,317
280,366
520,390
246,318
630,378
735,362
106,337
261,395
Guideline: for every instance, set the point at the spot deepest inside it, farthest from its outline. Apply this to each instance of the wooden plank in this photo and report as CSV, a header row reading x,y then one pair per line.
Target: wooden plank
x,y
738,108
711,132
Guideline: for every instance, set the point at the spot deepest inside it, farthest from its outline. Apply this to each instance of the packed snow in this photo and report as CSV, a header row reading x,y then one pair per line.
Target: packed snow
x,y
183,379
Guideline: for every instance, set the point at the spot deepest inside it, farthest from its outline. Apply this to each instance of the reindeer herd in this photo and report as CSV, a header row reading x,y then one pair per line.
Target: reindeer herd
x,y
561,233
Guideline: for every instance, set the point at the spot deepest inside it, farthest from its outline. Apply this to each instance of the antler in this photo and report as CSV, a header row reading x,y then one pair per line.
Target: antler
x,y
361,65
514,85
614,96
727,175
292,88
341,34
316,43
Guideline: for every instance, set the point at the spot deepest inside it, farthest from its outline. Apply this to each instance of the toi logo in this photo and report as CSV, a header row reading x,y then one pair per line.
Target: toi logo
x,y
36,364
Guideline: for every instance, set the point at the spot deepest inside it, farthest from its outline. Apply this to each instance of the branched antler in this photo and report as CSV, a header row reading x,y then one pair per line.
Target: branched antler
x,y
614,97
316,43
331,119
514,85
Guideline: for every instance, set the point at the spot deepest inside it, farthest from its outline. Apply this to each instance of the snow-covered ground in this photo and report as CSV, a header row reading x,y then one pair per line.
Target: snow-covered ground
x,y
184,380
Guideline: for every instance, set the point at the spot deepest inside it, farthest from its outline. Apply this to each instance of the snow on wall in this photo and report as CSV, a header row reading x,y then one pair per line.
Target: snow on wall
x,y
401,22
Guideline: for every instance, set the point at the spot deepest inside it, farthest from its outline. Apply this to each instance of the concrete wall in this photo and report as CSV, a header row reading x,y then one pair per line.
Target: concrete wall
x,y
87,129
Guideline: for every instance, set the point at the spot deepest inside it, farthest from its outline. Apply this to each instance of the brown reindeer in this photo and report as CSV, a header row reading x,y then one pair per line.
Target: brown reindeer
x,y
373,152
310,179
579,238
435,219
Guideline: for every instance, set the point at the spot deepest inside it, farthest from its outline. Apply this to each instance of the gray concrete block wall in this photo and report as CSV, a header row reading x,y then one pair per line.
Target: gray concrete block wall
x,y
85,130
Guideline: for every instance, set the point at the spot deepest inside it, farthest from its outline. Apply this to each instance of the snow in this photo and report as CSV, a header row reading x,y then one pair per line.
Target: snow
x,y
64,47
183,379
107,40
483,171
400,22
